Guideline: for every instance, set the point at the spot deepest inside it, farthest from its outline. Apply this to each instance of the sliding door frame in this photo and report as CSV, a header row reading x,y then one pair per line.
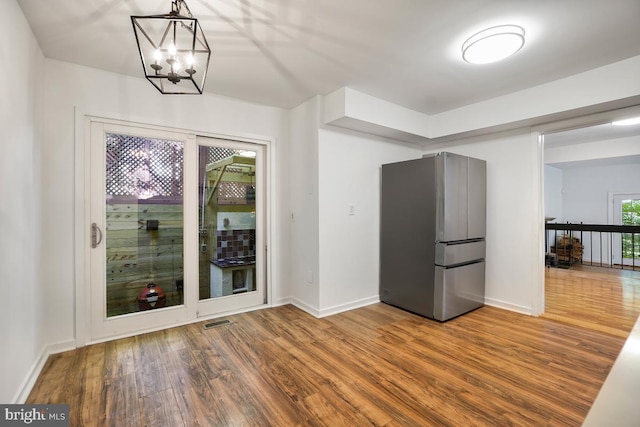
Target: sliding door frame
x,y
82,237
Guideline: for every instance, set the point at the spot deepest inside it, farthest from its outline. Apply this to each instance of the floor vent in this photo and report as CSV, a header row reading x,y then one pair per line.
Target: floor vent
x,y
217,324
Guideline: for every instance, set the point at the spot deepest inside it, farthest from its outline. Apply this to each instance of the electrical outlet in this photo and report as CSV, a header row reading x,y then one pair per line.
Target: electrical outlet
x,y
352,210
310,277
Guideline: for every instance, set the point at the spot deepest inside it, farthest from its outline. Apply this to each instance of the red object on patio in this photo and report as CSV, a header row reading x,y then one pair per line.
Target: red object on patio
x,y
151,297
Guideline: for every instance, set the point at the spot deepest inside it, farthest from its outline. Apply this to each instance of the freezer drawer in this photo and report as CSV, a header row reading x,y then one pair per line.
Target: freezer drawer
x,y
448,254
458,290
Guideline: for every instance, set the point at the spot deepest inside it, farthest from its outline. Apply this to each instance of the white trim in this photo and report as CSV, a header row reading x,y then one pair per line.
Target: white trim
x,y
32,376
236,302
179,324
153,122
586,120
349,306
282,301
509,306
335,309
81,241
304,307
30,380
538,293
611,195
80,237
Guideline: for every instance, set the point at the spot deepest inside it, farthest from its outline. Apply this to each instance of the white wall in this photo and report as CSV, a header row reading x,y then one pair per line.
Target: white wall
x,y
101,93
586,190
586,197
334,256
21,281
514,231
302,214
37,184
553,193
349,175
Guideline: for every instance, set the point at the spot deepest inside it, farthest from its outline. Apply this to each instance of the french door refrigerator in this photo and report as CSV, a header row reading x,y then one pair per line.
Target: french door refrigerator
x,y
432,235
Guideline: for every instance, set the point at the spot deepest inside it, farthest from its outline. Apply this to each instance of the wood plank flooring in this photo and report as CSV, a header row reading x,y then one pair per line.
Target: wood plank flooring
x,y
600,299
376,365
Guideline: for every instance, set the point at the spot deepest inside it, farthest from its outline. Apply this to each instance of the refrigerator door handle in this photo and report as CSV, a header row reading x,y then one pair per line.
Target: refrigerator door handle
x,y
462,264
459,253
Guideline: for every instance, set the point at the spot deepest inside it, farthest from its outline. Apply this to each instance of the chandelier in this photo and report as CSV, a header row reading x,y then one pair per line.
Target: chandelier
x,y
174,52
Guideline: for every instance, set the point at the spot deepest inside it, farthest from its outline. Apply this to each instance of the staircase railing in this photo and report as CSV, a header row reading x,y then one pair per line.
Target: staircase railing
x,y
603,245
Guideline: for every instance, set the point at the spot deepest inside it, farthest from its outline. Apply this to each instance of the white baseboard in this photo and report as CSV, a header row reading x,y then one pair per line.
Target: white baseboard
x,y
281,301
304,307
349,306
336,309
61,347
509,306
28,383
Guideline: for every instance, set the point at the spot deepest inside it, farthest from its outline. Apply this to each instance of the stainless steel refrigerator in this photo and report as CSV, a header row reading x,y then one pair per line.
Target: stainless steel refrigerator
x,y
432,235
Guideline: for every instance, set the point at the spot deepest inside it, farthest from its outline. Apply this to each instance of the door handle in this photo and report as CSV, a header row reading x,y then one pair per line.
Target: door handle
x,y
96,235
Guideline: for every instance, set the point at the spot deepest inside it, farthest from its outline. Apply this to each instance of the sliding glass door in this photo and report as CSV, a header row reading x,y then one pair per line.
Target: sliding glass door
x,y
231,225
176,225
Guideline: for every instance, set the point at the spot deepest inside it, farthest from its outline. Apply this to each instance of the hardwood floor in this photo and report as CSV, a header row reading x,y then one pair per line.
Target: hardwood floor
x,y
376,365
600,299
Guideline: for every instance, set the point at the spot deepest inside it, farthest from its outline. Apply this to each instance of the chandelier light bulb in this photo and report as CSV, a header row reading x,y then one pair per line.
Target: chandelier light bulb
x,y
191,60
157,56
172,49
493,44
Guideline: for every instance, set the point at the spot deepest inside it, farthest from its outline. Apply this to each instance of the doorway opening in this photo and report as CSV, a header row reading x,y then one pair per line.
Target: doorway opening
x,y
584,170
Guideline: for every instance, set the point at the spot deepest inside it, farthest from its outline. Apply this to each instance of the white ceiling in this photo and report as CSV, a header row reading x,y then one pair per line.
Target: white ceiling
x,y
601,132
283,52
604,133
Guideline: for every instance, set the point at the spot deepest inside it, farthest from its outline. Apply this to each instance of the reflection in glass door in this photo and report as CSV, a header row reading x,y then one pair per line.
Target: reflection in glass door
x,y
163,252
144,223
229,224
136,219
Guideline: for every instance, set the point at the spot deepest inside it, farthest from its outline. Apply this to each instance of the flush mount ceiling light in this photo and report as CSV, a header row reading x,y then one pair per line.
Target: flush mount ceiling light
x,y
174,52
627,122
493,44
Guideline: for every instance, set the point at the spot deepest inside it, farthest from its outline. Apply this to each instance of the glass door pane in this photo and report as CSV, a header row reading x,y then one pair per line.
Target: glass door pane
x,y
230,225
631,242
144,223
227,221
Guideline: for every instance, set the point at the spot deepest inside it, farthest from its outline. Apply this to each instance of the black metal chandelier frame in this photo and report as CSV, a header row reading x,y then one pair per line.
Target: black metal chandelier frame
x,y
177,63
